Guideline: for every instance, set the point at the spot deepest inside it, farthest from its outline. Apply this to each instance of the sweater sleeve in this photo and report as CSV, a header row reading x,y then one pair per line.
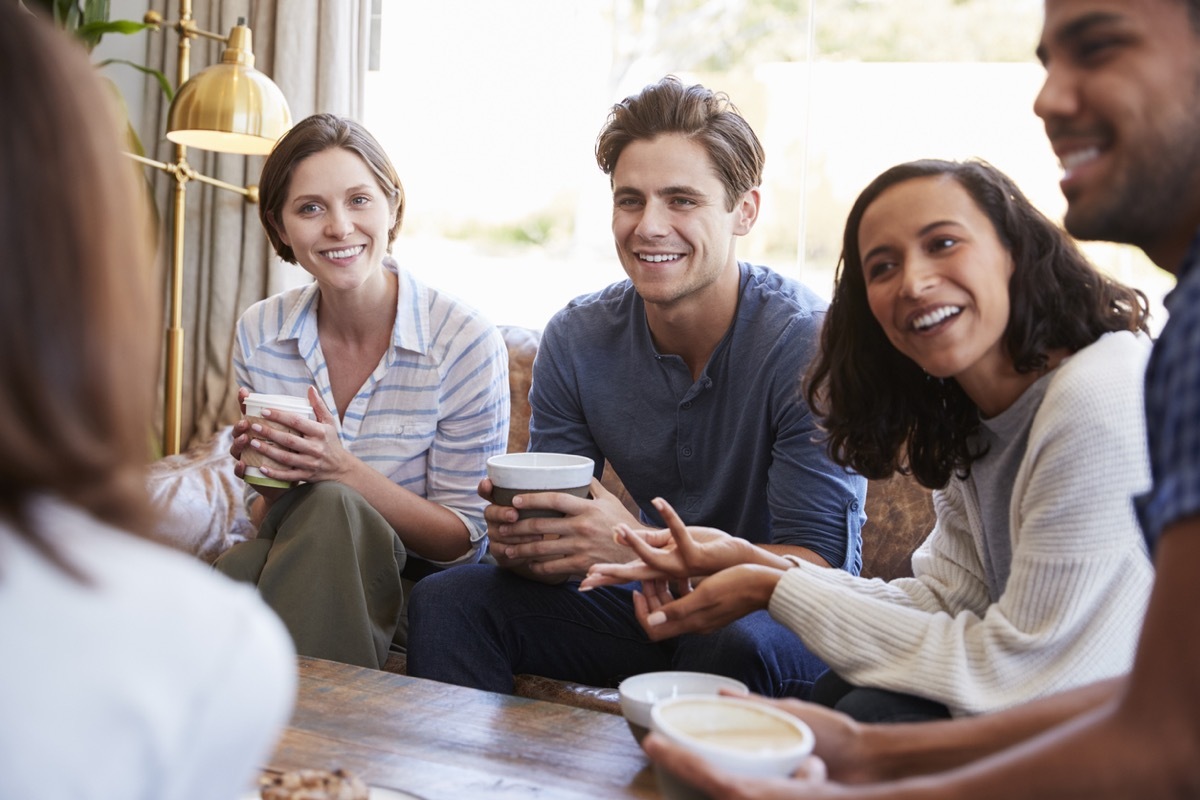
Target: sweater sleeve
x,y
1071,611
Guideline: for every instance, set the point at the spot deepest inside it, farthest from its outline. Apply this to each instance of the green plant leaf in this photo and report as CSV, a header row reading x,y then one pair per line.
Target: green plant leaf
x,y
122,26
95,11
163,83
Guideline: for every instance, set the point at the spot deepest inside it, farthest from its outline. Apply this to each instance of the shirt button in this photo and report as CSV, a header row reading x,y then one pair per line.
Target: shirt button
x,y
687,452
687,404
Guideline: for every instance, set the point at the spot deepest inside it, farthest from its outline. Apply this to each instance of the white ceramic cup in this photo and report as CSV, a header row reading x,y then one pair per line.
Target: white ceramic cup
x,y
252,457
738,735
512,474
639,693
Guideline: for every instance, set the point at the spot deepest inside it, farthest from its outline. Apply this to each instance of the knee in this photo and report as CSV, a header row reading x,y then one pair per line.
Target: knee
x,y
883,706
333,494
459,591
330,514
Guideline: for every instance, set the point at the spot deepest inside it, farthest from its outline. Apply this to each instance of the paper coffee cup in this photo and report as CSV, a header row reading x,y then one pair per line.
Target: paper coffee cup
x,y
254,458
512,474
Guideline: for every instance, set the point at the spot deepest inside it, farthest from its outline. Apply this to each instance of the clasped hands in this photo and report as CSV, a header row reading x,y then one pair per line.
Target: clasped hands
x,y
303,450
737,577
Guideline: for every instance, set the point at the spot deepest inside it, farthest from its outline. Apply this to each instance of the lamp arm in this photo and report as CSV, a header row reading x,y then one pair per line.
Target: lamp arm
x,y
183,171
186,28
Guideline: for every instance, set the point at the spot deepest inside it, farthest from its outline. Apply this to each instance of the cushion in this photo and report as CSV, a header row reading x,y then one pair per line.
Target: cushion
x,y
199,499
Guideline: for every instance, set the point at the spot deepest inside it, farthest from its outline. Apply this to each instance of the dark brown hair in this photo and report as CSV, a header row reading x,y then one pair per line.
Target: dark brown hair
x,y
310,136
695,112
881,412
76,316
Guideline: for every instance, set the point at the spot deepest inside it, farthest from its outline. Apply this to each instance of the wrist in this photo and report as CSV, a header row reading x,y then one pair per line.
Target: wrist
x,y
763,582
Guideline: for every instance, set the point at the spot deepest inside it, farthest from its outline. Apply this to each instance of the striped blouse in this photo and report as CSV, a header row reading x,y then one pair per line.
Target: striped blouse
x,y
429,416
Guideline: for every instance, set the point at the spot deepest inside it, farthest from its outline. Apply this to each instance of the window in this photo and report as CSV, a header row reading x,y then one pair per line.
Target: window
x,y
490,112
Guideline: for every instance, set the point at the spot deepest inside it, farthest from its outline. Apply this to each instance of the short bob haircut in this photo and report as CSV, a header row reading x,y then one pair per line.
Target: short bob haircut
x,y
77,312
692,111
310,136
882,413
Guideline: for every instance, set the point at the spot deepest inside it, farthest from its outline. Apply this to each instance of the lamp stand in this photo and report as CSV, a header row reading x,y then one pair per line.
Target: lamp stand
x,y
183,174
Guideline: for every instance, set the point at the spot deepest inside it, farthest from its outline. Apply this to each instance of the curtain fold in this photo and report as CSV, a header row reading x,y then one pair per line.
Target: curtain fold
x,y
316,52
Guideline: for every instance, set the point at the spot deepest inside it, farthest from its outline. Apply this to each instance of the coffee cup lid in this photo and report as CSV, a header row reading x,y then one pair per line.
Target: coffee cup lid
x,y
283,402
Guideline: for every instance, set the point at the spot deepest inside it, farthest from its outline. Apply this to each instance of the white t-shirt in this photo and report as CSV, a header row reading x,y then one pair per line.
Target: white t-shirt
x,y
156,680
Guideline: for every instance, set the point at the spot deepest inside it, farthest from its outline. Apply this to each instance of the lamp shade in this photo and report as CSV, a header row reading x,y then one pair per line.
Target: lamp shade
x,y
230,107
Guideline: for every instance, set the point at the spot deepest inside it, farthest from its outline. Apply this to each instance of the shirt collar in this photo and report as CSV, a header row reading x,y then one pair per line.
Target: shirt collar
x,y
410,331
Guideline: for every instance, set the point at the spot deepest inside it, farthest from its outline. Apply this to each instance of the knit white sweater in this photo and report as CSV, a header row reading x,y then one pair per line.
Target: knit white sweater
x,y
1079,581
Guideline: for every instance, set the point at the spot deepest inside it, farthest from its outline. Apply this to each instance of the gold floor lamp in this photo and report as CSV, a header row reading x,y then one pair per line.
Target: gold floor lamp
x,y
229,108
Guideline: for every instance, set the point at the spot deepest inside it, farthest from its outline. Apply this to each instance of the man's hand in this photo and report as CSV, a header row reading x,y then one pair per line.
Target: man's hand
x,y
807,782
842,742
555,548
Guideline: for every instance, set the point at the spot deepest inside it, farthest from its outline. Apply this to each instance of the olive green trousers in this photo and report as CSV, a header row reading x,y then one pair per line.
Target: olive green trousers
x,y
330,566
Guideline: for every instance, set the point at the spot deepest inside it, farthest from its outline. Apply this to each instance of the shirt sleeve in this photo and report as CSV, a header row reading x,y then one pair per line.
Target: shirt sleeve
x,y
472,429
557,423
814,503
1072,608
1173,424
237,702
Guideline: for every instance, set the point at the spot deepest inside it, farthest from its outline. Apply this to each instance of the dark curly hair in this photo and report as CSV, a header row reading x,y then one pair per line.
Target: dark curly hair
x,y
882,413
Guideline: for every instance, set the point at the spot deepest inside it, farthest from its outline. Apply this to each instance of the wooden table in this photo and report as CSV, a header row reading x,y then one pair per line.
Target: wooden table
x,y
435,740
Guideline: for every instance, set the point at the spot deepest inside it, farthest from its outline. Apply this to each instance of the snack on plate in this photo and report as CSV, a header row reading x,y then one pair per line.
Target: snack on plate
x,y
312,784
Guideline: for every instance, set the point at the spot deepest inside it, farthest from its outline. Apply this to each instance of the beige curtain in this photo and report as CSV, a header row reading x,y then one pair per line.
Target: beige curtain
x,y
316,51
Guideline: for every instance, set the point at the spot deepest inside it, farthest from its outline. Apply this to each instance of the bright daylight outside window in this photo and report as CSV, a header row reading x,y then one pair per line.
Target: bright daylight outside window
x,y
490,112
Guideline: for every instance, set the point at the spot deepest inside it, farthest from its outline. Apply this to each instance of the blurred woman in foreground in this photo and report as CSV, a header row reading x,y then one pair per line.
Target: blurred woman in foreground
x,y
129,670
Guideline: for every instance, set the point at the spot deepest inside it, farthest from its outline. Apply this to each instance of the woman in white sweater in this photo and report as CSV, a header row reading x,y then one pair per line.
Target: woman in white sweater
x,y
129,670
969,342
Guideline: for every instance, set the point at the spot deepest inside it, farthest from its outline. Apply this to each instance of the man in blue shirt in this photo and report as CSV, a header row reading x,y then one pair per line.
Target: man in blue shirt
x,y
686,379
1121,106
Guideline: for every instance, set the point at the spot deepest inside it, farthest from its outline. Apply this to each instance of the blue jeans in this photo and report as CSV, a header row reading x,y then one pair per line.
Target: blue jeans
x,y
479,625
874,705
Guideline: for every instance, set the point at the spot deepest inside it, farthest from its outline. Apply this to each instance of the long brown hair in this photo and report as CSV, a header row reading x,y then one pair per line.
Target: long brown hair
x,y
882,413
76,318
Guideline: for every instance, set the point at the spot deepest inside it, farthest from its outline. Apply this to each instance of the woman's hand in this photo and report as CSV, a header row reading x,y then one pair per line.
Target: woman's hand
x,y
679,552
305,449
713,603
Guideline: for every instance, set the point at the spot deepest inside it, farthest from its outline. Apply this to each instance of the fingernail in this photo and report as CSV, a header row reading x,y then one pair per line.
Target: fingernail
x,y
256,428
255,443
266,412
657,618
